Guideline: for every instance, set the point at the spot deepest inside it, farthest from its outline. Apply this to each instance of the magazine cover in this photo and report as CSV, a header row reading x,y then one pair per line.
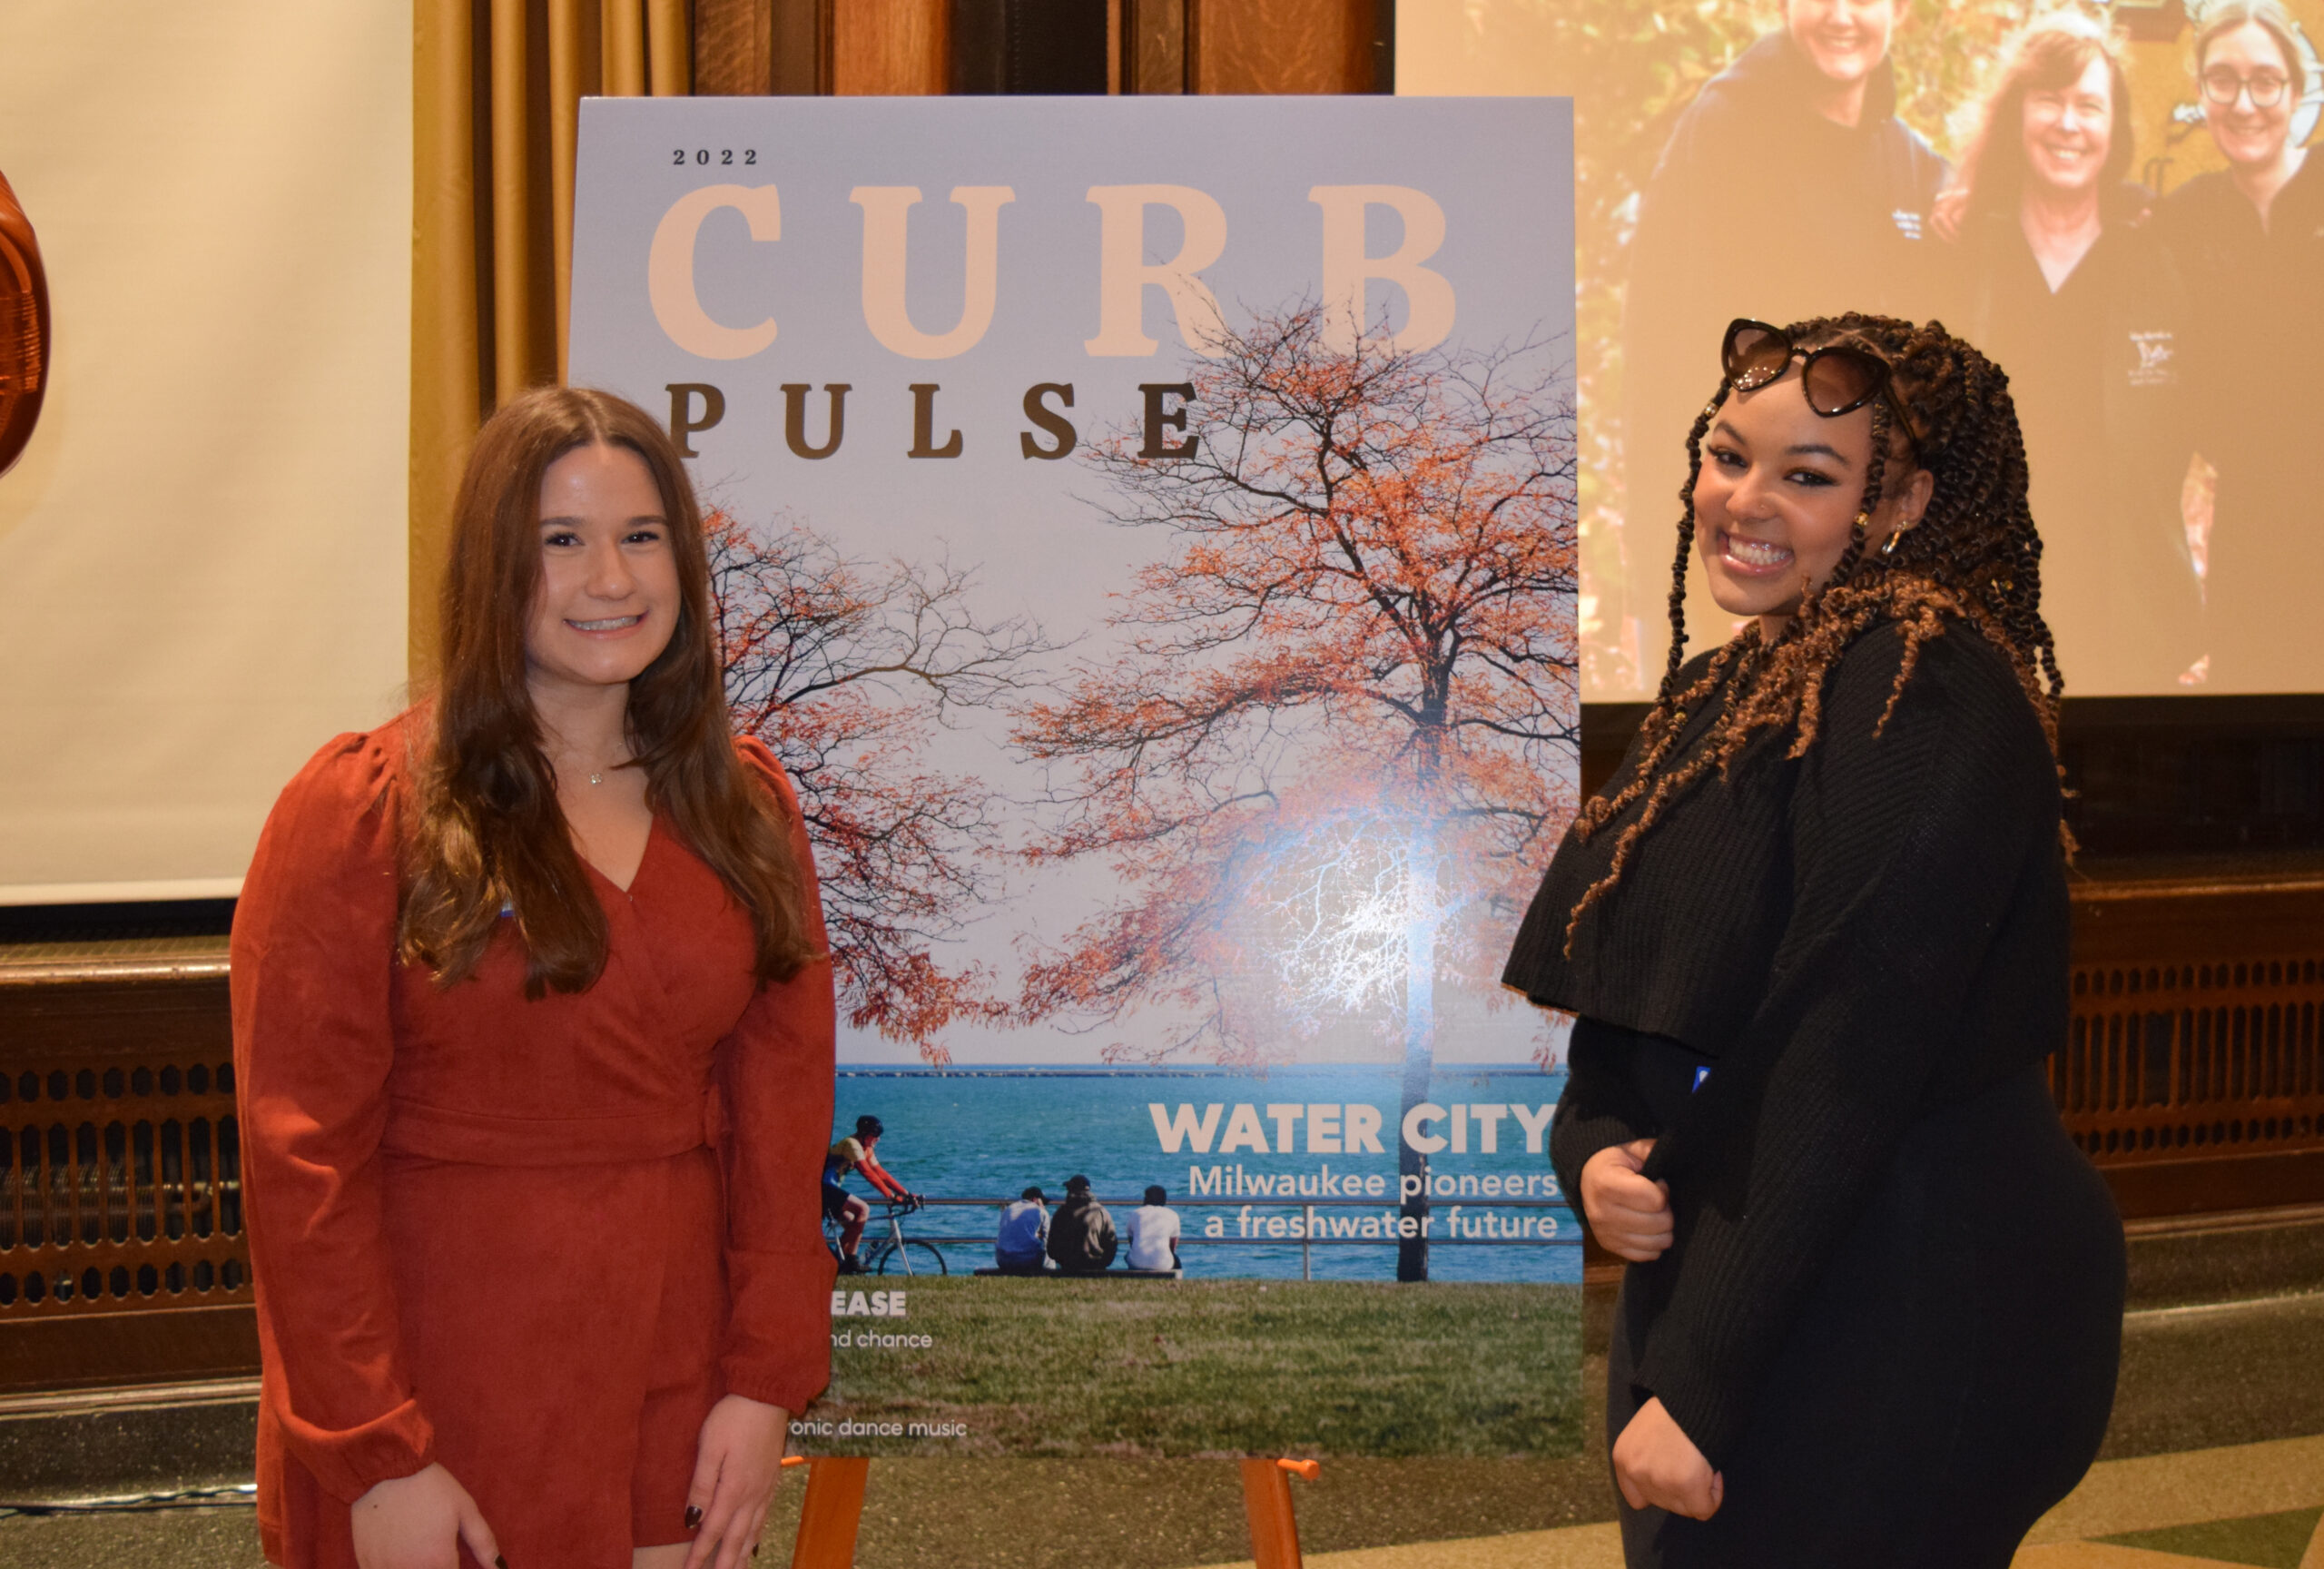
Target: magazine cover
x,y
1146,530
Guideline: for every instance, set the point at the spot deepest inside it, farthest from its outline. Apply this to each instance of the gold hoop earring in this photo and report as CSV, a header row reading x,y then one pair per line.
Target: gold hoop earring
x,y
1888,545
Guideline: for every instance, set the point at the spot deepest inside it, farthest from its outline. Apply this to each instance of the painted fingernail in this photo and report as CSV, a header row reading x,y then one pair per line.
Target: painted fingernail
x,y
693,1517
498,1561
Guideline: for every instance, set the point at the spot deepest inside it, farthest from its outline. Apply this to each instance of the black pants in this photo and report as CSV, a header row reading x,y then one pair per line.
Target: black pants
x,y
1948,1381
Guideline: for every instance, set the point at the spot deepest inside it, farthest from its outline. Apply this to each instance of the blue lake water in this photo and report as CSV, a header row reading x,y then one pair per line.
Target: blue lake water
x,y
986,1133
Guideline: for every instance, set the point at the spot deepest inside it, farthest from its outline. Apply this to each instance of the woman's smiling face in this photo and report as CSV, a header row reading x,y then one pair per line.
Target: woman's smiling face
x,y
2068,131
608,599
1845,39
2247,132
1778,493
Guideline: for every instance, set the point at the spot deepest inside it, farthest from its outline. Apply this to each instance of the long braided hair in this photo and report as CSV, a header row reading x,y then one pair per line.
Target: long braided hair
x,y
1973,558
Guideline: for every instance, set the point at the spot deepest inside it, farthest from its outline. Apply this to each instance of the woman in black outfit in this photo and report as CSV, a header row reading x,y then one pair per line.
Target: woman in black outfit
x,y
2059,275
1815,932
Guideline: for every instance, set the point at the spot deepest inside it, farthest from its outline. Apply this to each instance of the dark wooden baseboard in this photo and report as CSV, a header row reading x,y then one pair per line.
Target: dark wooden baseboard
x,y
161,1346
2226,1183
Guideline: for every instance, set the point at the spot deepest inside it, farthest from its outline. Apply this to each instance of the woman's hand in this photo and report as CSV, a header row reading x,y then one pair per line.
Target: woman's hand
x,y
736,1461
417,1522
1657,1465
1629,1215
1946,214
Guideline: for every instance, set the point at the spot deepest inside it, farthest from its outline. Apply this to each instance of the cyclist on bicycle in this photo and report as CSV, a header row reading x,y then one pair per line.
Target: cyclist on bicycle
x,y
850,1213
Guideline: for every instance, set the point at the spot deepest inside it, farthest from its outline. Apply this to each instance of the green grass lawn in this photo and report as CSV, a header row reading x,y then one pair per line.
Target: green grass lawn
x,y
1216,1368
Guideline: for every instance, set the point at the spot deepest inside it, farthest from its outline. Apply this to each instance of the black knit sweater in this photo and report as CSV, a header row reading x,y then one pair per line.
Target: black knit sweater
x,y
1857,936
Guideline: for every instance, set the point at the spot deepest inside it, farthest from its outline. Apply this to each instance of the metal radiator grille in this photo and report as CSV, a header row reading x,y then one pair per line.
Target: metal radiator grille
x,y
120,1166
2167,1060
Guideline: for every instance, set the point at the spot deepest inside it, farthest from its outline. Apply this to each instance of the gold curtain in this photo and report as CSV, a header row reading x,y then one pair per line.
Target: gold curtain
x,y
496,88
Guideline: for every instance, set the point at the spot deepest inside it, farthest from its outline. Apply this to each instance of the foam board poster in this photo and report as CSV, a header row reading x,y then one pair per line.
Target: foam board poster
x,y
1146,530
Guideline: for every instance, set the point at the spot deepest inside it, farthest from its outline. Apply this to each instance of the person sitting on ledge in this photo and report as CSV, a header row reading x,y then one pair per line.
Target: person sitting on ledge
x,y
1154,1232
1081,1232
1018,1249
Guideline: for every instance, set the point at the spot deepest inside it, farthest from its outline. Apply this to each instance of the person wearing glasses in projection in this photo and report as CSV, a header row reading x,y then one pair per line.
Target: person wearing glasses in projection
x,y
1814,932
2250,239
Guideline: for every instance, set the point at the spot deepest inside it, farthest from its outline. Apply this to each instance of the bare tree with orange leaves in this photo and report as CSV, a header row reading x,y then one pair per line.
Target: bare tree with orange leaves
x,y
844,668
1343,716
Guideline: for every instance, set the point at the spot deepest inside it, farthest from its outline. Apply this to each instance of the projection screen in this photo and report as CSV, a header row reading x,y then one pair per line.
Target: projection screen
x,y
2062,192
201,551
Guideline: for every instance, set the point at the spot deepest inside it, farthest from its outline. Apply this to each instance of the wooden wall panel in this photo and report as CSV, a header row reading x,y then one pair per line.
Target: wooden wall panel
x,y
733,48
1282,45
109,1350
801,45
890,46
1155,49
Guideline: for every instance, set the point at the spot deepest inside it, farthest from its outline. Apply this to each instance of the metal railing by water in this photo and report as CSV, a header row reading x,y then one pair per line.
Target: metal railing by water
x,y
1557,1234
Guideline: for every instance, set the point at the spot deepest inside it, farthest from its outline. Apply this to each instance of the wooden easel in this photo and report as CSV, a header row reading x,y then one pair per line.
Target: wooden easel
x,y
830,1514
1267,1503
833,1509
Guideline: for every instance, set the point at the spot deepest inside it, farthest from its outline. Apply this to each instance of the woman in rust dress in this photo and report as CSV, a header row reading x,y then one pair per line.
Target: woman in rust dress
x,y
534,1025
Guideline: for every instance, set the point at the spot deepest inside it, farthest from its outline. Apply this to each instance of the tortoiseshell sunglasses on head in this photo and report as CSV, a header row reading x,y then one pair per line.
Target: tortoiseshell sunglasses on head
x,y
1837,379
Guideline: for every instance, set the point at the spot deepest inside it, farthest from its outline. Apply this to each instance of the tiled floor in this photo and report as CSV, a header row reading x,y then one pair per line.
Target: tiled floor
x,y
2248,1503
2158,1491
2280,1538
2260,1504
2197,1471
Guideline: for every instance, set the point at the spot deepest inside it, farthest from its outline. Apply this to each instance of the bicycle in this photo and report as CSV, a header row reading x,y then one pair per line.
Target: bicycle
x,y
894,1248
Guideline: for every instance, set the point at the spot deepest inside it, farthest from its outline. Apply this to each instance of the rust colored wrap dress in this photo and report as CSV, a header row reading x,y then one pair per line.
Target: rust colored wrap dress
x,y
533,1240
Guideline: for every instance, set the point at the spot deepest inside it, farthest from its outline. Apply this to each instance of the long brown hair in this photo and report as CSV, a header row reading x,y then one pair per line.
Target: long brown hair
x,y
488,837
1972,559
2049,53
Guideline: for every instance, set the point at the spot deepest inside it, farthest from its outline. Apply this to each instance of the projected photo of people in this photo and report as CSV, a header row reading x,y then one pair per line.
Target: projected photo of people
x,y
2113,201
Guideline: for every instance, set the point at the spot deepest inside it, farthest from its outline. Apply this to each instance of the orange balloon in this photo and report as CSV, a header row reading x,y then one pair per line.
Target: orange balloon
x,y
24,329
